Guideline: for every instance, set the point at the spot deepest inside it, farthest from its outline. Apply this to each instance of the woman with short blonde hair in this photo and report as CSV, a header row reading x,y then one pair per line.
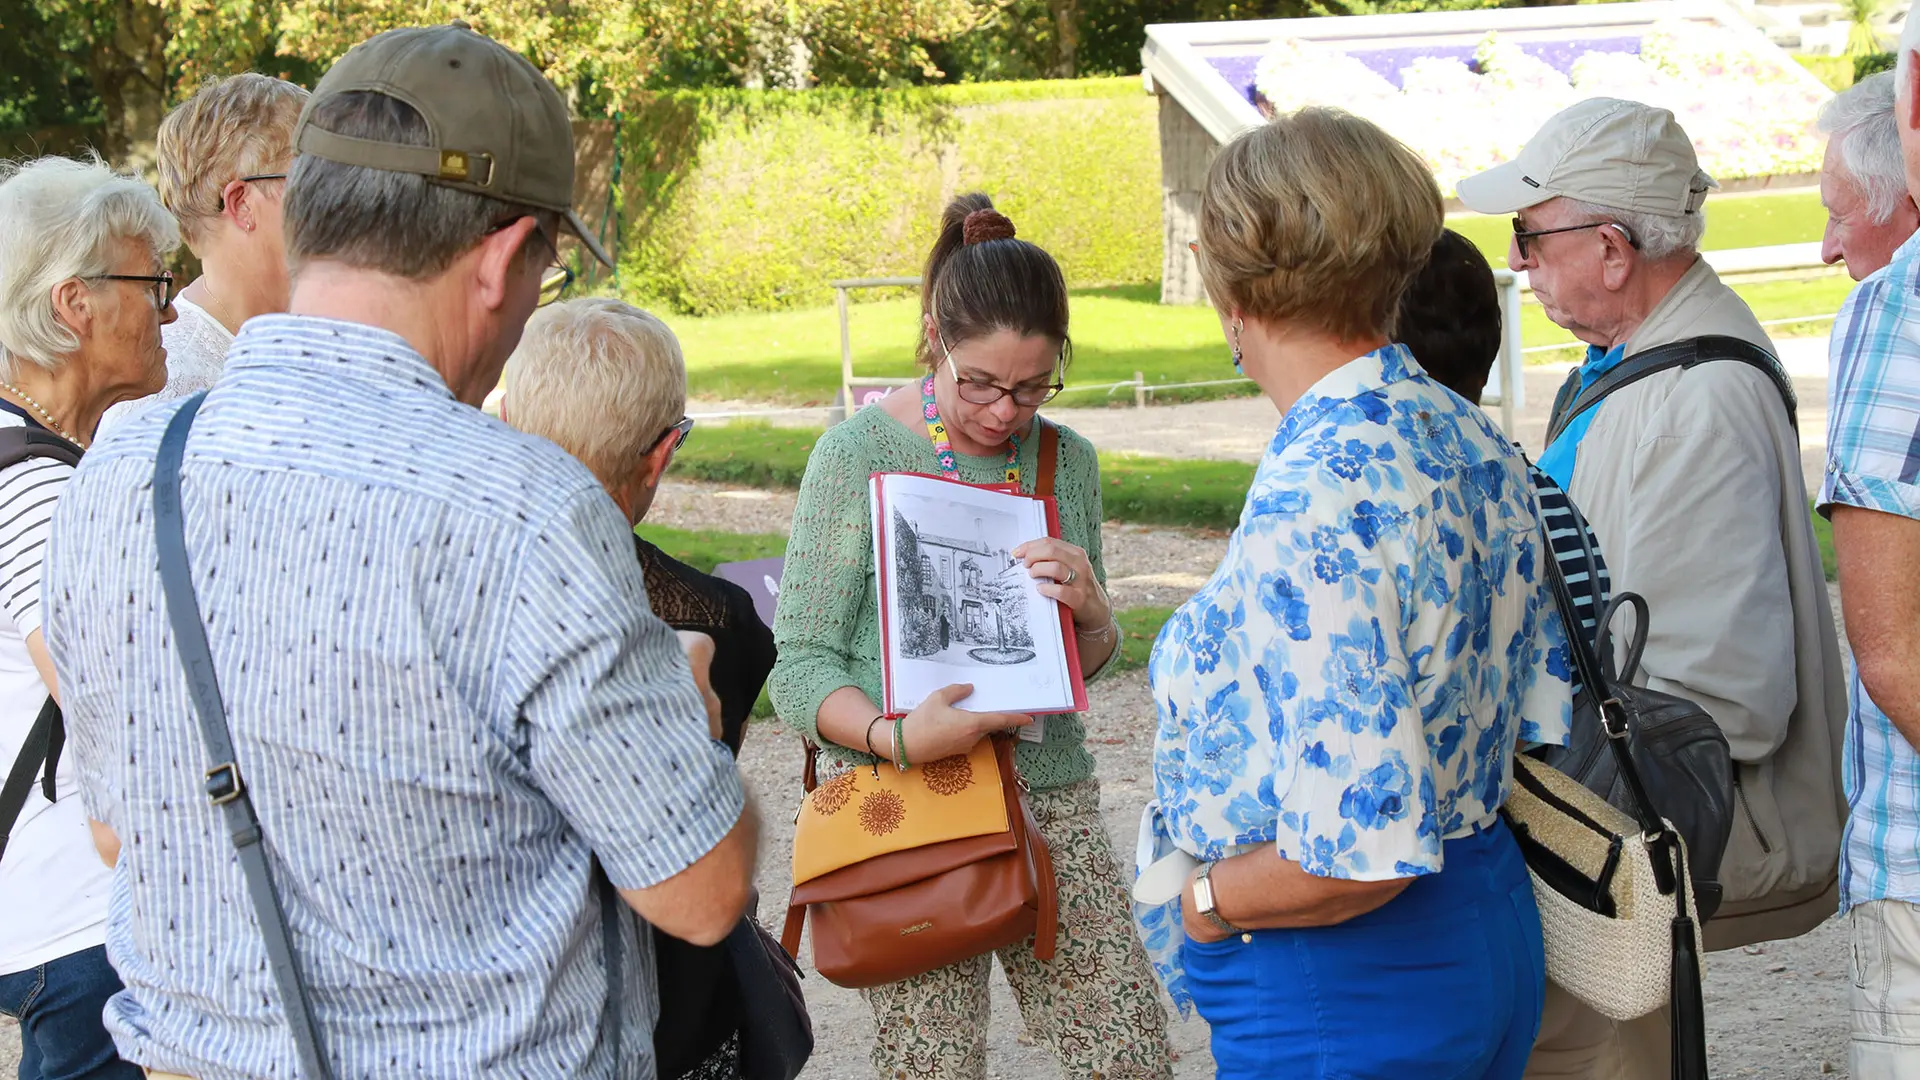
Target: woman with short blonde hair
x,y
1340,703
83,297
223,156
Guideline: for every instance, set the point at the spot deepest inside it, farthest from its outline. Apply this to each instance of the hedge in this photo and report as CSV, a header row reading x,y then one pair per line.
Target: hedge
x,y
1873,63
736,199
1835,71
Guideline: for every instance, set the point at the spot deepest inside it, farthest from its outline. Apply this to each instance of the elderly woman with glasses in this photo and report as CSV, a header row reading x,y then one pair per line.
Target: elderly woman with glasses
x,y
82,302
993,347
1340,704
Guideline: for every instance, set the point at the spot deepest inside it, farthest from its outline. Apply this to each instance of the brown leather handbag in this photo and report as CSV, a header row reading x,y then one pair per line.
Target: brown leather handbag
x,y
905,873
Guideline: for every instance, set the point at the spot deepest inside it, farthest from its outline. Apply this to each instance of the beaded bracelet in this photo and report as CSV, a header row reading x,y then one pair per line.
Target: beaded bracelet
x,y
900,744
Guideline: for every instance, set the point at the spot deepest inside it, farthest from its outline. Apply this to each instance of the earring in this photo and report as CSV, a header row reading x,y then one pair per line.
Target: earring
x,y
1237,356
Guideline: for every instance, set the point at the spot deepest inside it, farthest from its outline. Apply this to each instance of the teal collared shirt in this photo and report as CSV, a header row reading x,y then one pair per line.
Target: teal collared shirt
x,y
1563,453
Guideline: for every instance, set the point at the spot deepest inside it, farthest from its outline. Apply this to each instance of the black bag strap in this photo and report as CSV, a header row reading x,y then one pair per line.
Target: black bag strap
x,y
1688,1046
17,444
1680,354
225,787
40,754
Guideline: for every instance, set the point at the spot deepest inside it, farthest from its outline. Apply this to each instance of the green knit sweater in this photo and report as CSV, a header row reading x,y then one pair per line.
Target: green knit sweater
x,y
828,624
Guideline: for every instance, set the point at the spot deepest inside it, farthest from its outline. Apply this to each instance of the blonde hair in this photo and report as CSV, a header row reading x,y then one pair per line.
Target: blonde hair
x,y
232,127
601,378
1318,218
60,219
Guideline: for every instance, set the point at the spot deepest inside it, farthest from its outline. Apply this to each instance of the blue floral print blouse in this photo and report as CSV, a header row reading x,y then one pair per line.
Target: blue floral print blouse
x,y
1350,684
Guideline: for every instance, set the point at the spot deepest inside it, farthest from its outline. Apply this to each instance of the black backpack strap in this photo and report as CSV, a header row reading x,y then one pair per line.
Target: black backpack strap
x,y
1680,354
17,444
1564,398
39,755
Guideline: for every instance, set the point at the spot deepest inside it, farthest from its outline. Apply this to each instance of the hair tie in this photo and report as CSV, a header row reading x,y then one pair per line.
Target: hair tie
x,y
983,225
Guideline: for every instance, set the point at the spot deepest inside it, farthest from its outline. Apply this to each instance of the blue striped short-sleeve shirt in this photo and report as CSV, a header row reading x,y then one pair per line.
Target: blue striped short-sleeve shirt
x,y
448,697
1873,462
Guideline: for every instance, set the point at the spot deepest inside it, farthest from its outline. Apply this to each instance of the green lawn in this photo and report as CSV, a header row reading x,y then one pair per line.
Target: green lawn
x,y
1190,492
704,549
793,357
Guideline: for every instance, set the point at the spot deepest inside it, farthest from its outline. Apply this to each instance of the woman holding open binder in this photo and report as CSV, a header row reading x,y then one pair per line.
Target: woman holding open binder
x,y
994,348
1340,703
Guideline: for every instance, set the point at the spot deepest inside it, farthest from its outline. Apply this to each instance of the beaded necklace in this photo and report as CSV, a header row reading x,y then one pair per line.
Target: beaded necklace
x,y
943,446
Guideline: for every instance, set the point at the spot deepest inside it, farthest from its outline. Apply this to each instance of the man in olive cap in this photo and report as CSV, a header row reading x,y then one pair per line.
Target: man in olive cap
x,y
449,703
1690,476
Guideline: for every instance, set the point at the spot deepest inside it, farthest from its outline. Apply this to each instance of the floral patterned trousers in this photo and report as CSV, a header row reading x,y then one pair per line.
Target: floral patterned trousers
x,y
1096,1004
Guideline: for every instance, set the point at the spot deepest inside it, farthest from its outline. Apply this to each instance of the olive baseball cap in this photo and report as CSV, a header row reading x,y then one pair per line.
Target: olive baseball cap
x,y
1618,154
496,126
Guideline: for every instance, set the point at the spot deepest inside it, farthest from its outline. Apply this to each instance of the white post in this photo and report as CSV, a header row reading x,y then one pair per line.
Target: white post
x,y
1507,378
1139,389
846,348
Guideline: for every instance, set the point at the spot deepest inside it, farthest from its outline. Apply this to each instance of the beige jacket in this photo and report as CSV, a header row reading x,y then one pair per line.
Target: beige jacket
x,y
1691,480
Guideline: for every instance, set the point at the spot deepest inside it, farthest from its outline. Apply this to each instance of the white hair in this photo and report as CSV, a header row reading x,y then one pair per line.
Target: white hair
x,y
1861,121
602,378
61,219
1655,236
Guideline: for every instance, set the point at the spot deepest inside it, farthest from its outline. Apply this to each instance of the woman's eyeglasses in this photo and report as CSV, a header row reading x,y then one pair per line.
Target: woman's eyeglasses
x,y
160,285
253,179
982,392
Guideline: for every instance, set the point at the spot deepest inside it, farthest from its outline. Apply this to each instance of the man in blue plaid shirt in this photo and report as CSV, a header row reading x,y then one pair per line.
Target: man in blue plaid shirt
x,y
1871,492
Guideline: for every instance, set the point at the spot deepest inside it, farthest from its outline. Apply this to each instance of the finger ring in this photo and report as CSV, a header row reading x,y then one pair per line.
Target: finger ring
x,y
1071,574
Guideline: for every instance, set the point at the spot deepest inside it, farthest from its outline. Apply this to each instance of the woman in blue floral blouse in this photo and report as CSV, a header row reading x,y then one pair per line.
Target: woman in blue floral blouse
x,y
1339,705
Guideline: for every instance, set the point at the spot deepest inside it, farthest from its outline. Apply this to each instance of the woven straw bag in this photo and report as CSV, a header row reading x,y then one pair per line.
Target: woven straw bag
x,y
1616,904
1605,916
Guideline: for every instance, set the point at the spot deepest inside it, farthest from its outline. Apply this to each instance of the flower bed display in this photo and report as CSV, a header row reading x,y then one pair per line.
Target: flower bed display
x,y
1466,110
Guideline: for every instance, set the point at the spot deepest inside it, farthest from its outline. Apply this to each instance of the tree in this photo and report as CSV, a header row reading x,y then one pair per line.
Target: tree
x,y
1863,37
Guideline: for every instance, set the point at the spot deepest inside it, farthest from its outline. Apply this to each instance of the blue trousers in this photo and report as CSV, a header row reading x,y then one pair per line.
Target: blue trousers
x,y
1443,982
58,1005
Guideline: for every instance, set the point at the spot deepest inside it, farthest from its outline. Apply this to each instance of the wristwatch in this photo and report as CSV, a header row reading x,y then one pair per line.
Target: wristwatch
x,y
1203,904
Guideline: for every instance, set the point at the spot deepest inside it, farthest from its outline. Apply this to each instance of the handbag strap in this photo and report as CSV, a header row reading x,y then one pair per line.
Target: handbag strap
x,y
1049,456
39,756
225,787
1613,718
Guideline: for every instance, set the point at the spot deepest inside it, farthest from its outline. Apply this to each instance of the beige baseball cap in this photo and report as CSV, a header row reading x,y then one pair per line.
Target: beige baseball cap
x,y
496,126
1618,154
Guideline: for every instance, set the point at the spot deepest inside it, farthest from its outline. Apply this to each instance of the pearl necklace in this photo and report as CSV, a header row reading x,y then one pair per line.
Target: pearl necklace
x,y
44,414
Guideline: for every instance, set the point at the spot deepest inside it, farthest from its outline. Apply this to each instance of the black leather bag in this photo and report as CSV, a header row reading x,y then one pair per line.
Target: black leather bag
x,y
1680,753
746,986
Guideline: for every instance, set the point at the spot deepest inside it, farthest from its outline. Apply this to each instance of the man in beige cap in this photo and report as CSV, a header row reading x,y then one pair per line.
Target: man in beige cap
x,y
449,704
1690,476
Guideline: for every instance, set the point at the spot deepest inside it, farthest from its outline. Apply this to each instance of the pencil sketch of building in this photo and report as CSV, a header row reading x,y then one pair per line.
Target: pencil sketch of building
x,y
959,591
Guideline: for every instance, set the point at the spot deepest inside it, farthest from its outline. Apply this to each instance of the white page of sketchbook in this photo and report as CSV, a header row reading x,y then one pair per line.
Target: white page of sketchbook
x,y
970,612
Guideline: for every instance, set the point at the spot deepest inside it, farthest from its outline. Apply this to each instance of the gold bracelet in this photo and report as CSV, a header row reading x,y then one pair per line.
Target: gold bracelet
x,y
1104,634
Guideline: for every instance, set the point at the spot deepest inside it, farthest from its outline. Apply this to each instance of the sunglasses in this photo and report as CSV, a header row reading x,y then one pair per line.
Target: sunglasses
x,y
254,179
1522,234
678,432
160,285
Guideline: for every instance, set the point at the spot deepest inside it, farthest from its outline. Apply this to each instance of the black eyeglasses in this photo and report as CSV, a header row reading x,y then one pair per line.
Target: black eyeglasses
x,y
678,432
1522,234
555,279
982,392
161,285
254,179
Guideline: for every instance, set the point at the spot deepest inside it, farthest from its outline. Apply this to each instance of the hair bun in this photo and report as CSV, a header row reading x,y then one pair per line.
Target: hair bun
x,y
983,225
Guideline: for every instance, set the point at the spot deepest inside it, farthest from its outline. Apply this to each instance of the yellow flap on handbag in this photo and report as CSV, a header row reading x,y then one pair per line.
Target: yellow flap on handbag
x,y
866,812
